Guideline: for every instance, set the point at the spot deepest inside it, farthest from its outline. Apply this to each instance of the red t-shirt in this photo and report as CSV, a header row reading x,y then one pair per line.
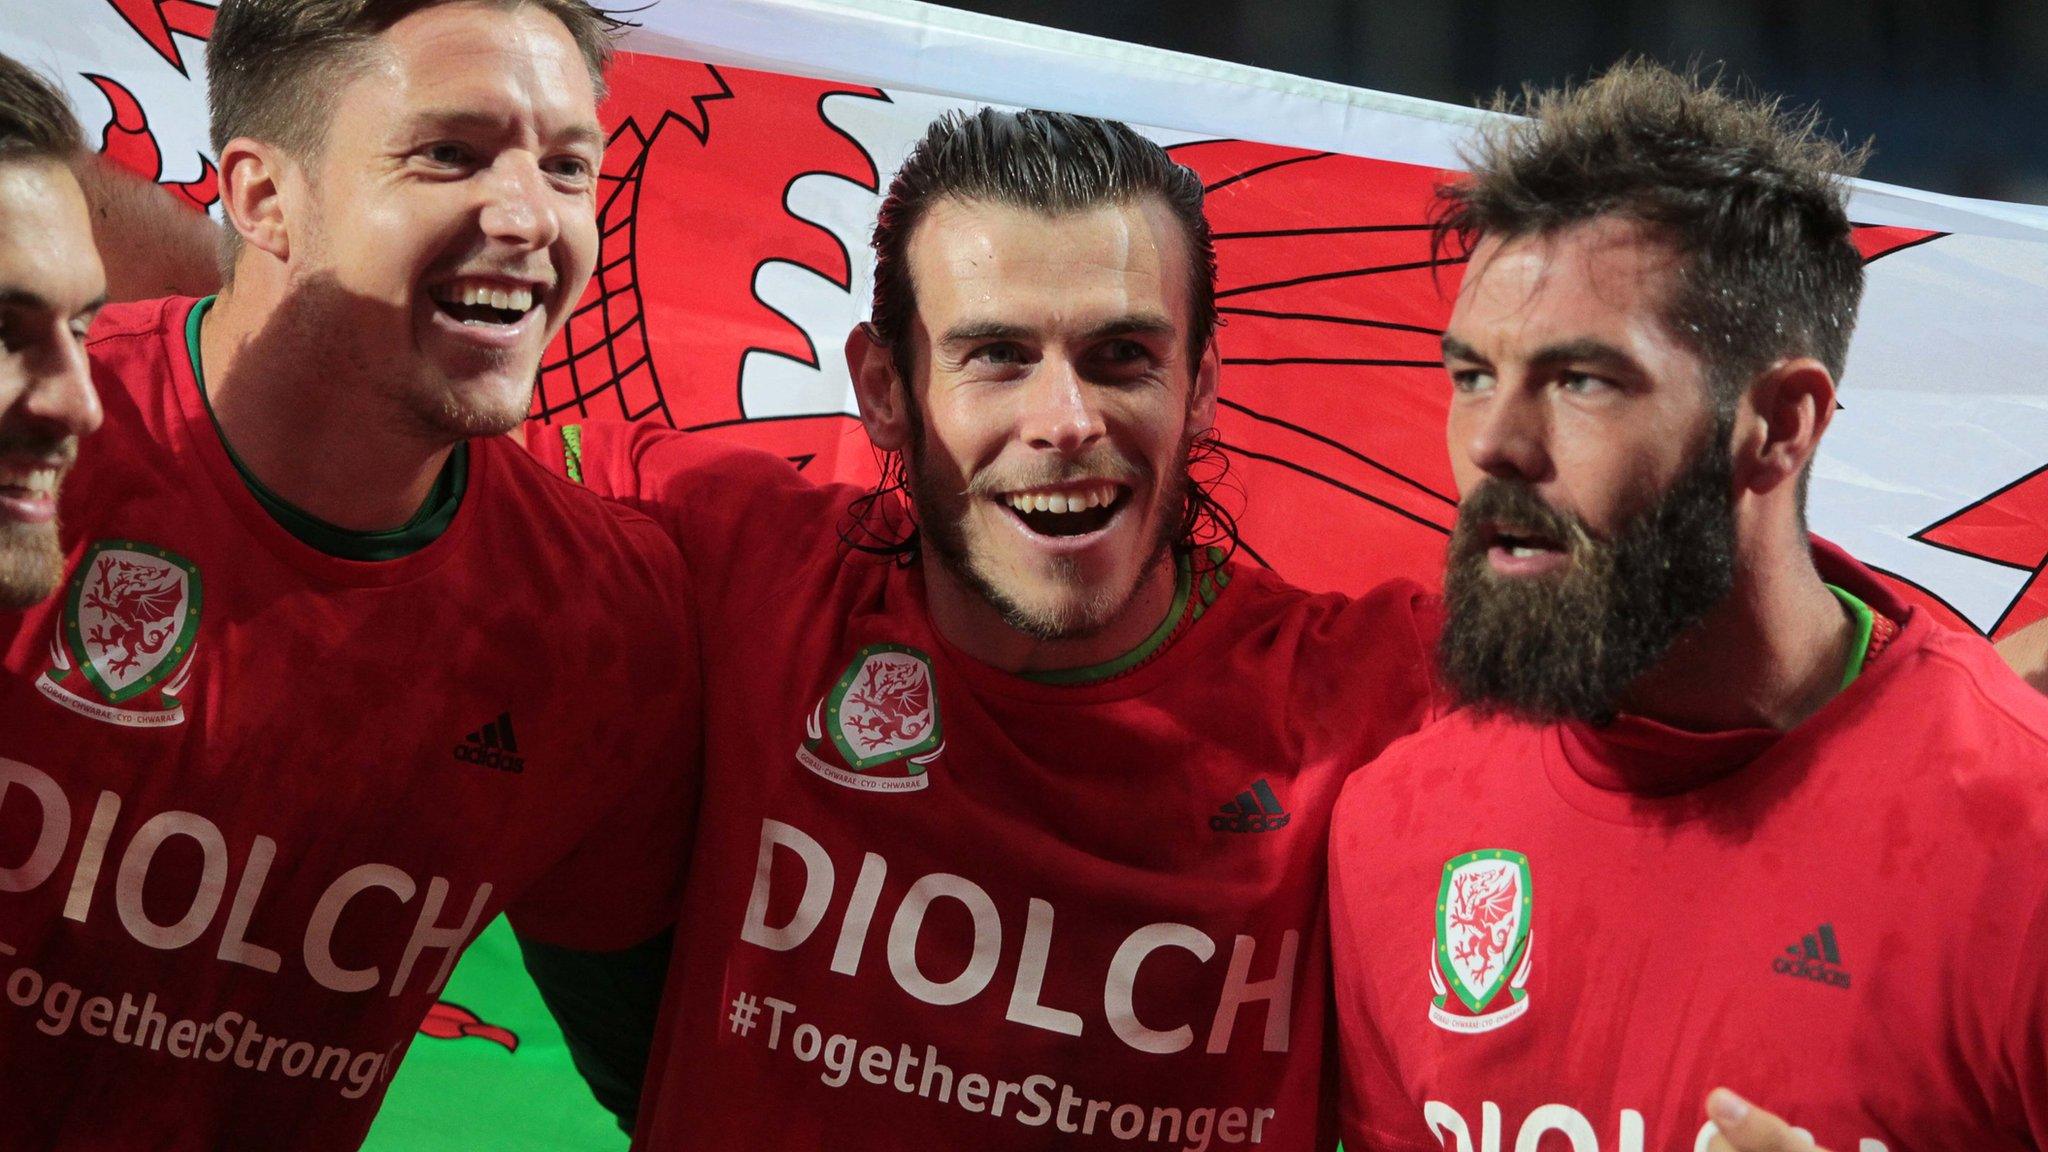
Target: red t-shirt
x,y
935,905
1552,938
254,799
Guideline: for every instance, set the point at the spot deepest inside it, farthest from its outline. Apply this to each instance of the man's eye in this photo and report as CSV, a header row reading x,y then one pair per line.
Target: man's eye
x,y
1471,380
570,167
447,154
1005,354
1583,383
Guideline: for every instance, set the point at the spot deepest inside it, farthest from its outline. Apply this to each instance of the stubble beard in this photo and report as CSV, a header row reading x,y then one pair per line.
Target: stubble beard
x,y
31,564
1567,647
942,512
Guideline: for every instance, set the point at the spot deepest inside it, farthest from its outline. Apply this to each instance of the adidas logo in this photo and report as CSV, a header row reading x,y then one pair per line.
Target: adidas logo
x,y
1816,957
492,746
1255,810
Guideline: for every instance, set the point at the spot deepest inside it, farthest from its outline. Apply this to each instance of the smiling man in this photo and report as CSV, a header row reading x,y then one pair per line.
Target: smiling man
x,y
51,286
1721,809
329,684
1013,824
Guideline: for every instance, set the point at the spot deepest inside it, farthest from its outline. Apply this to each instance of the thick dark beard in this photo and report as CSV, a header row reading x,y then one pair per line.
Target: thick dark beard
x,y
1568,647
941,513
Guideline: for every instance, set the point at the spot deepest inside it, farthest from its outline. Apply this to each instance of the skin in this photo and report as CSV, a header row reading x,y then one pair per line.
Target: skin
x,y
467,145
1049,353
1565,380
51,286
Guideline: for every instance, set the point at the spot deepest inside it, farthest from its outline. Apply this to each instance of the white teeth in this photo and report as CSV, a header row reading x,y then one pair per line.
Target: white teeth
x,y
1062,502
1521,553
471,293
36,482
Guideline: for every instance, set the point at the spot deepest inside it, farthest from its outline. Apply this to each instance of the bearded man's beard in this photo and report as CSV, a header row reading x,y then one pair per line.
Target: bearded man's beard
x,y
1567,646
942,509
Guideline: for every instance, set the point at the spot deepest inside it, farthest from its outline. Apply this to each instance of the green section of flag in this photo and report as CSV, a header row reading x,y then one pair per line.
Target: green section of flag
x,y
473,1093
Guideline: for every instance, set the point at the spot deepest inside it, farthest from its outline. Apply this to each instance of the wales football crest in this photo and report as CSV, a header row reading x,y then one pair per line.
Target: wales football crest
x,y
123,648
1480,969
880,720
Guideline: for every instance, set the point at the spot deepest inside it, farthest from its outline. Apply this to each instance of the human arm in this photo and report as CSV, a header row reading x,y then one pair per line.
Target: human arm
x,y
605,1003
151,244
2026,652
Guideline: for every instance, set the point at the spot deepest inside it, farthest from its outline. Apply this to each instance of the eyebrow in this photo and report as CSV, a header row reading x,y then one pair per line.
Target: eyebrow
x,y
1135,324
1582,351
461,122
12,297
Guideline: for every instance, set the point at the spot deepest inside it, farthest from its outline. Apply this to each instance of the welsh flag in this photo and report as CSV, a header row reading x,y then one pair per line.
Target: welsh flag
x,y
750,142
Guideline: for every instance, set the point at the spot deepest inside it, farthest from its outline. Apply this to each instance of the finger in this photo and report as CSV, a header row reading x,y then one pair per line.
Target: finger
x,y
1747,1128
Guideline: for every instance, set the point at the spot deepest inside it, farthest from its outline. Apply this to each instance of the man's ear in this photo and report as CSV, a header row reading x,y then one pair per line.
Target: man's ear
x,y
883,394
253,176
1202,394
1778,431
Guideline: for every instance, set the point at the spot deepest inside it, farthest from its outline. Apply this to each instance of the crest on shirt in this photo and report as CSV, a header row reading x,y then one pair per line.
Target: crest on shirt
x,y
879,722
123,648
1480,966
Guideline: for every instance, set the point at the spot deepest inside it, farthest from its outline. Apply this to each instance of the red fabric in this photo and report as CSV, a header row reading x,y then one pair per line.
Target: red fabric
x,y
1087,809
1677,883
318,810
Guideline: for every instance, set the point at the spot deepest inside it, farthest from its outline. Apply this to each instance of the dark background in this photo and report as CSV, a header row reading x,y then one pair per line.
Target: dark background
x,y
1955,91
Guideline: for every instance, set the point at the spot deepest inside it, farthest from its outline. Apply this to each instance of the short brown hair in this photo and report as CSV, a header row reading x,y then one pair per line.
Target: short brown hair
x,y
35,121
1749,194
273,65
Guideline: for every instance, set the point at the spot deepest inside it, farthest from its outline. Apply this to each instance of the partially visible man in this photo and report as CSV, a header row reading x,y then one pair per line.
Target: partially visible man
x,y
1721,809
337,674
51,286
1015,803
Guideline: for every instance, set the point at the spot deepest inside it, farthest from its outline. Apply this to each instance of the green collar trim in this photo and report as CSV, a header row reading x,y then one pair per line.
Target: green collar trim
x,y
1866,622
1183,588
425,527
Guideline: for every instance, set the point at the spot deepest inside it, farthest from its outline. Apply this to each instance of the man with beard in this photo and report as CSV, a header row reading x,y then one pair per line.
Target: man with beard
x,y
1013,822
51,286
1719,807
331,682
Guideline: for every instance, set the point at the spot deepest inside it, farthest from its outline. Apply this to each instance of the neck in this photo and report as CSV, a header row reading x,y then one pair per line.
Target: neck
x,y
1773,651
317,438
970,623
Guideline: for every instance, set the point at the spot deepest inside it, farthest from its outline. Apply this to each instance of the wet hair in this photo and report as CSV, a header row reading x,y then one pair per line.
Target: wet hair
x,y
1054,163
1050,162
36,123
1749,195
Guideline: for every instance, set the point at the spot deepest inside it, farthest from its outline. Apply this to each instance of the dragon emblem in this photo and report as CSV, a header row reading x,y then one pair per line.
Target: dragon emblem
x,y
894,705
138,612
1482,920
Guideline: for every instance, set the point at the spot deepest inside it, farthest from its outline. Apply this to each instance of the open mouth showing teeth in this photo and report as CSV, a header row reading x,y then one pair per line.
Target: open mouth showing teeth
x,y
481,304
1522,546
38,484
1074,512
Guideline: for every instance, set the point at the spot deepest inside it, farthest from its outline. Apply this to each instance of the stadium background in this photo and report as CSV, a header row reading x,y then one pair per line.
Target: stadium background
x,y
1332,401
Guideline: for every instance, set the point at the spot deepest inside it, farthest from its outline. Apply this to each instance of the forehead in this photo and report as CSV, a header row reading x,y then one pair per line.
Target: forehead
x,y
979,260
46,247
465,56
1607,278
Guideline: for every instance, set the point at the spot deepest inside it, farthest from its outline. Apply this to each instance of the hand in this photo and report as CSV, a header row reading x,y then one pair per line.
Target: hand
x,y
1746,1128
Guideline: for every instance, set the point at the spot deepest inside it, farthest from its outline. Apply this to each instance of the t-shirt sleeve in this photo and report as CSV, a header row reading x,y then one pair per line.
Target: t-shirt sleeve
x,y
1371,1102
623,881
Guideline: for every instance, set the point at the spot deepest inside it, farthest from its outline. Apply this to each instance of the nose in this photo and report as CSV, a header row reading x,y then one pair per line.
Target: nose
x,y
519,205
1506,434
1061,411
60,392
